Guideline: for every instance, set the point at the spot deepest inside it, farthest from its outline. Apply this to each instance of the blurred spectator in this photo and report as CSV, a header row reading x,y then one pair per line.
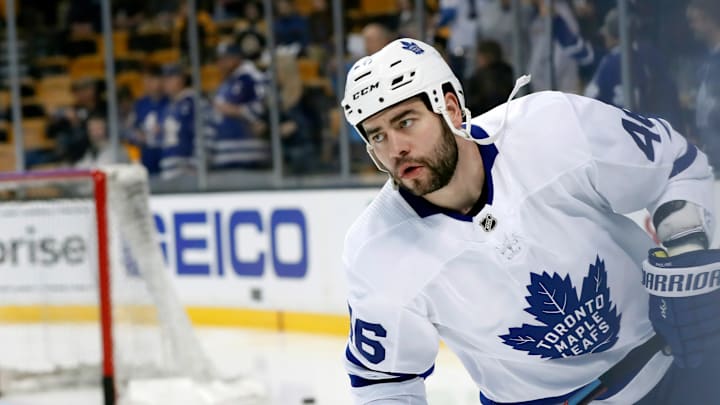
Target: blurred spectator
x,y
100,152
238,132
252,17
68,126
648,69
83,17
128,14
148,117
321,26
569,48
407,21
375,37
291,29
228,9
205,26
461,16
294,126
491,83
496,23
178,140
126,112
704,18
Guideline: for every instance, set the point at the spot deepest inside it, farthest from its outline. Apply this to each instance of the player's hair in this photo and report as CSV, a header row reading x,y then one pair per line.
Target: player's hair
x,y
709,7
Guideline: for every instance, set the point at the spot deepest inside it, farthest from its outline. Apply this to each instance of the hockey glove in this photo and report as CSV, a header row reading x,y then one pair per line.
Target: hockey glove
x,y
685,302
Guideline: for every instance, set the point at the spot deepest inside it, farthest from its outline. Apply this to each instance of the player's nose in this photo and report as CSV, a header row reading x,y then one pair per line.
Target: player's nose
x,y
399,144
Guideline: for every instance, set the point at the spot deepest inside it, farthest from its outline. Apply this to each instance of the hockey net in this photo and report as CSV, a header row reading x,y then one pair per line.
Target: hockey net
x,y
85,298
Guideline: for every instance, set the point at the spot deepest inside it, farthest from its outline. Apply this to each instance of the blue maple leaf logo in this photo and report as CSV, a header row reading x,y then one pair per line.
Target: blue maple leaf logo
x,y
412,47
571,325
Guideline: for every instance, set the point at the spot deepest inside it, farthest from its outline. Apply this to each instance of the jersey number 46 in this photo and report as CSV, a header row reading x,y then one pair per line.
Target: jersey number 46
x,y
363,335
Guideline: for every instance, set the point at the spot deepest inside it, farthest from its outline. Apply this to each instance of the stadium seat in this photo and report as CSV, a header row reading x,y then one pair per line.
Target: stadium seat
x,y
225,28
165,56
35,134
133,151
4,99
304,7
120,43
150,40
210,78
57,82
53,99
132,80
87,66
309,69
130,62
378,7
52,65
7,157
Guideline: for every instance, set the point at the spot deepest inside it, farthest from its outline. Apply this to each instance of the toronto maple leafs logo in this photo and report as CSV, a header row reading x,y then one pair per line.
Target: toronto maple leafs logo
x,y
571,326
412,47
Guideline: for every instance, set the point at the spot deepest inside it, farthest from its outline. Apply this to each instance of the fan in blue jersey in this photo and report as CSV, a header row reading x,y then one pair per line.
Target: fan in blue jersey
x,y
238,138
503,235
178,125
147,121
704,17
648,69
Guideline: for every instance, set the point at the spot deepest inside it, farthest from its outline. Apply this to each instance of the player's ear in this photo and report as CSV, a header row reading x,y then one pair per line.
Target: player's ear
x,y
452,104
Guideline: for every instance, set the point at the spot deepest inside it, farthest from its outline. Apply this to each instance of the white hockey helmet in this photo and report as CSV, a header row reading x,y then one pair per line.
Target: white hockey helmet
x,y
403,69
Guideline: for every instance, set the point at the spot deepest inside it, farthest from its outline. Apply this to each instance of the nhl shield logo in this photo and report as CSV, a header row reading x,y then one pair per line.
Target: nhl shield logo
x,y
488,223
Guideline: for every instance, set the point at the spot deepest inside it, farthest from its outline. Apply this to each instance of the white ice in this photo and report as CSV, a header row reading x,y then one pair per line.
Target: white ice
x,y
294,367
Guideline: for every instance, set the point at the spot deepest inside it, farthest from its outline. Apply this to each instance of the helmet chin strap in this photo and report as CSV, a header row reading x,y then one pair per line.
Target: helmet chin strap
x,y
521,82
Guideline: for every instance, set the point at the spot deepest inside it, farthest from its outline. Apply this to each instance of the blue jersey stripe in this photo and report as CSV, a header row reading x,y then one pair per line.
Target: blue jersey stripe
x,y
357,381
684,161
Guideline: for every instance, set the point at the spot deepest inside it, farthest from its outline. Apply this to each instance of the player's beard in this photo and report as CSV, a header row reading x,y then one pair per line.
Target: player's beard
x,y
440,166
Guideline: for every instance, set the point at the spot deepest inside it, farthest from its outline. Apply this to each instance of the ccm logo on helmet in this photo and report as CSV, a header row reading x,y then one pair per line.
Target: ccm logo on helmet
x,y
366,90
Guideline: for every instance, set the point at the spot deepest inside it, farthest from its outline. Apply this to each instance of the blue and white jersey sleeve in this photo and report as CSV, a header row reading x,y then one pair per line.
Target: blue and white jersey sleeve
x,y
640,162
391,350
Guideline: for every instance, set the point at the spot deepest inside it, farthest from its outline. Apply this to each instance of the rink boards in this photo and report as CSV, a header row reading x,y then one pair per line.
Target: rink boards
x,y
268,260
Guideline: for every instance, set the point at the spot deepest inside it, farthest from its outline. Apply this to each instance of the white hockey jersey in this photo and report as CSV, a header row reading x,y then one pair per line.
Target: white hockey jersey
x,y
540,292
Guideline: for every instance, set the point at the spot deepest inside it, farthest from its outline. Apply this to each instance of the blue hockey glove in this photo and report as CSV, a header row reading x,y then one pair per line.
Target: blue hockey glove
x,y
685,302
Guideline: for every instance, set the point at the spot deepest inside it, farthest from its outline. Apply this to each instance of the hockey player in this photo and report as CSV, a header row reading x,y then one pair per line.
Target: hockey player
x,y
502,235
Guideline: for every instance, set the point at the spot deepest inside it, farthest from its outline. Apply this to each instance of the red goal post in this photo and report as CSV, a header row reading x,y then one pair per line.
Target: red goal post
x,y
114,271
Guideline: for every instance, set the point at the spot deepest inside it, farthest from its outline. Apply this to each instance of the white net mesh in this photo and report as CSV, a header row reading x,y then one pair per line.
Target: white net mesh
x,y
49,305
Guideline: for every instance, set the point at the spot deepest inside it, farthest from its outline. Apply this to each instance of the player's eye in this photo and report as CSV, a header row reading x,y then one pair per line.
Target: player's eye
x,y
407,122
377,138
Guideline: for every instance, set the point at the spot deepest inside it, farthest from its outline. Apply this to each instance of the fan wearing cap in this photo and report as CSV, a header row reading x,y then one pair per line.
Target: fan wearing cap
x,y
503,235
238,137
178,138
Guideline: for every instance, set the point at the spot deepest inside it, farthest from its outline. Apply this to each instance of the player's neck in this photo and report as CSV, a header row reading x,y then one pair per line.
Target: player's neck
x,y
465,187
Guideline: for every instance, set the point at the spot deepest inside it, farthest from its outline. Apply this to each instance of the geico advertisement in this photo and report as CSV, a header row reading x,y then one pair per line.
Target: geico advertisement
x,y
273,250
47,250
